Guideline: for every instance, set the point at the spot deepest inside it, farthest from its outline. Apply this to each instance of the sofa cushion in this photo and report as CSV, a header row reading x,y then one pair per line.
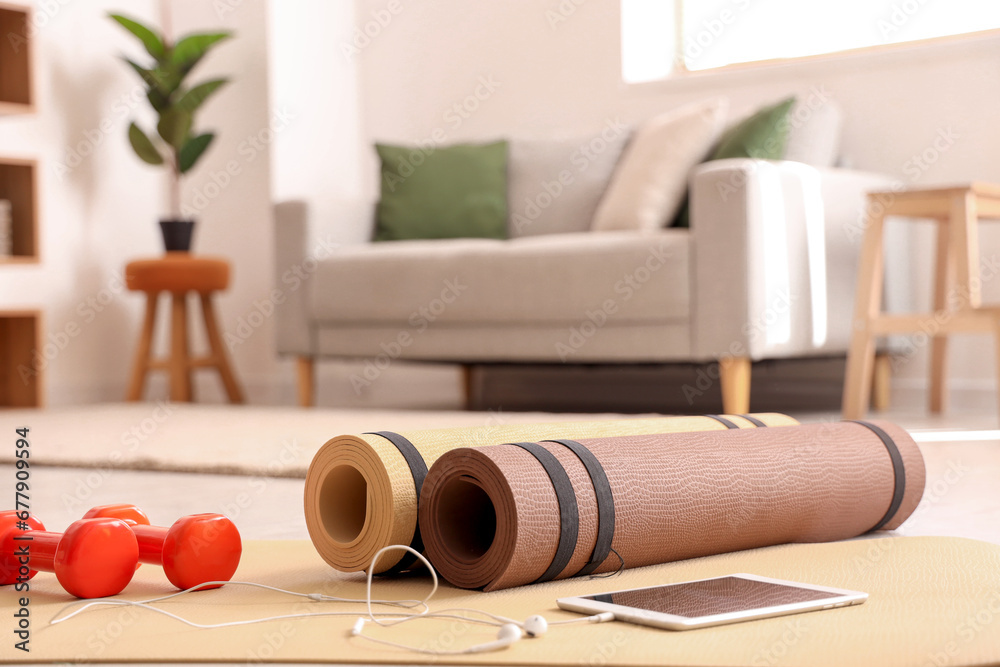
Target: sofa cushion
x,y
564,278
650,180
554,185
762,135
442,192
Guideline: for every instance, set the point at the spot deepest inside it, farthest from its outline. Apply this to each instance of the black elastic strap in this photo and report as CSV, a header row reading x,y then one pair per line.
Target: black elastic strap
x,y
722,420
569,513
605,504
418,468
753,420
898,470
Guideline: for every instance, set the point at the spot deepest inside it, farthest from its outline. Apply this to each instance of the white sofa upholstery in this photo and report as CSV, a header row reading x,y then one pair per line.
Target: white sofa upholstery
x,y
766,270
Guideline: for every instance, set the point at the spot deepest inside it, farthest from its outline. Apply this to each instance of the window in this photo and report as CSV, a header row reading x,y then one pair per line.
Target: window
x,y
660,37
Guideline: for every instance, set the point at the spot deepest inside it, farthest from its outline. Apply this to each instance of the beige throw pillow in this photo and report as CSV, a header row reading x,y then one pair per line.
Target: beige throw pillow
x,y
651,178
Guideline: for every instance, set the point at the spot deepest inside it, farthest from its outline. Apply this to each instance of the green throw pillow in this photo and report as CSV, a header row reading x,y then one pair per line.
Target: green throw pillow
x,y
763,136
440,192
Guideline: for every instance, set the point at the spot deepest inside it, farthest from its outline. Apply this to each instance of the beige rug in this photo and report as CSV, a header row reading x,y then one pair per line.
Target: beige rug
x,y
932,601
249,440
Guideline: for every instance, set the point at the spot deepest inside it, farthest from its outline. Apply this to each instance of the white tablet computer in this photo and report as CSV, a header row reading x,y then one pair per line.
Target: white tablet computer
x,y
716,601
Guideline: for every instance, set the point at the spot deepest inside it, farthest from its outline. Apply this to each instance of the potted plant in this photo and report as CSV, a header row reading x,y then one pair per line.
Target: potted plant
x,y
175,144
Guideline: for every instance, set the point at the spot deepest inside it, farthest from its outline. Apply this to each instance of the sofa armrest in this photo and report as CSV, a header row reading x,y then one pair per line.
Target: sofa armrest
x,y
775,256
303,236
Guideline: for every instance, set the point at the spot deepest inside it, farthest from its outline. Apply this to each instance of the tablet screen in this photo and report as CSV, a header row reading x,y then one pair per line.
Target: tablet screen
x,y
712,596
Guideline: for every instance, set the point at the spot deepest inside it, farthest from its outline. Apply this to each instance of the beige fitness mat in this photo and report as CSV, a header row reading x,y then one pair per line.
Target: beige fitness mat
x,y
930,599
515,514
361,490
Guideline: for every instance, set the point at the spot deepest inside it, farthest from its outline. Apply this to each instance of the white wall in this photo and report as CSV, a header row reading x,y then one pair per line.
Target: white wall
x,y
562,76
230,188
315,82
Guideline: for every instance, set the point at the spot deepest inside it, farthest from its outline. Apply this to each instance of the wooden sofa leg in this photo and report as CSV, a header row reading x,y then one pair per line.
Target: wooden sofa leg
x,y
882,382
305,367
467,388
734,377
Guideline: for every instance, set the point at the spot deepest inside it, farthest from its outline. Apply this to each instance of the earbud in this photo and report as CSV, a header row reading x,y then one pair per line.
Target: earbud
x,y
535,626
509,633
359,625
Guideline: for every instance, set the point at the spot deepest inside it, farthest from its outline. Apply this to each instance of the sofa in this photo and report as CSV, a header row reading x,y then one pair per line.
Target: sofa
x,y
765,270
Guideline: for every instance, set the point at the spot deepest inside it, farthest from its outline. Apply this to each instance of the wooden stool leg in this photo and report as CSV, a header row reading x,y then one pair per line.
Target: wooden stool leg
x,y
943,272
180,363
734,377
867,306
305,367
219,357
140,367
882,382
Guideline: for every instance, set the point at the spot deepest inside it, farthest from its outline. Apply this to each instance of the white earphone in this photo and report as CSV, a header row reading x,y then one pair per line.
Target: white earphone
x,y
535,626
510,631
508,634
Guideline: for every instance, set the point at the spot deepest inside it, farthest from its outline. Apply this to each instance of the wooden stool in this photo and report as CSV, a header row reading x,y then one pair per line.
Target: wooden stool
x,y
179,273
957,299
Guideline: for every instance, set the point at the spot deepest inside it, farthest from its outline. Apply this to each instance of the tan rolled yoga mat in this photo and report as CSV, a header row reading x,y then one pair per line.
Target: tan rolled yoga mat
x,y
507,515
361,490
932,601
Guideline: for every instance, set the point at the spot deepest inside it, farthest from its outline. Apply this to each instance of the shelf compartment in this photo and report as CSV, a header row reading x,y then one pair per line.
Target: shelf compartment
x,y
20,381
18,185
16,80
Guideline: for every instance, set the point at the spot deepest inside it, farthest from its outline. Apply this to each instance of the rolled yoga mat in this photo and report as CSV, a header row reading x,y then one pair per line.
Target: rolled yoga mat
x,y
361,490
514,514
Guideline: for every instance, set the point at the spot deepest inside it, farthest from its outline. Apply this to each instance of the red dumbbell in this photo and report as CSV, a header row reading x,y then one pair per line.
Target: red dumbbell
x,y
94,558
194,550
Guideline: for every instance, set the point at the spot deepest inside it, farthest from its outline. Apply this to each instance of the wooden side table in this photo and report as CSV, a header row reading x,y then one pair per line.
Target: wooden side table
x,y
957,295
180,273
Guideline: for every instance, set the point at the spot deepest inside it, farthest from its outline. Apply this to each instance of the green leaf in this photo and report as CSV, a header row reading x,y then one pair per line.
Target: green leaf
x,y
143,146
194,98
152,42
189,50
163,80
145,74
193,150
174,126
157,99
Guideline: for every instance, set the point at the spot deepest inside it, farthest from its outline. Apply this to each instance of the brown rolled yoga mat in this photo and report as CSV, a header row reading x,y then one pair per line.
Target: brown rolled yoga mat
x,y
514,514
361,490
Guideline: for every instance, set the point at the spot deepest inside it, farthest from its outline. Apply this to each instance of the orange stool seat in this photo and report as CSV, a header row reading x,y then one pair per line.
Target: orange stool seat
x,y
179,273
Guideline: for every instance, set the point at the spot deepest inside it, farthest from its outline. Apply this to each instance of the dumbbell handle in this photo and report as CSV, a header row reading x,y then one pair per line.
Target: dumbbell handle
x,y
41,549
150,539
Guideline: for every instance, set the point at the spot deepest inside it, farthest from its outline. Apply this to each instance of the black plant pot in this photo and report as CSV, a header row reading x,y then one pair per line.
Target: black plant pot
x,y
177,235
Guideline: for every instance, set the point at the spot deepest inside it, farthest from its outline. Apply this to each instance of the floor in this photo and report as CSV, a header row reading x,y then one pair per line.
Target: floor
x,y
962,497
